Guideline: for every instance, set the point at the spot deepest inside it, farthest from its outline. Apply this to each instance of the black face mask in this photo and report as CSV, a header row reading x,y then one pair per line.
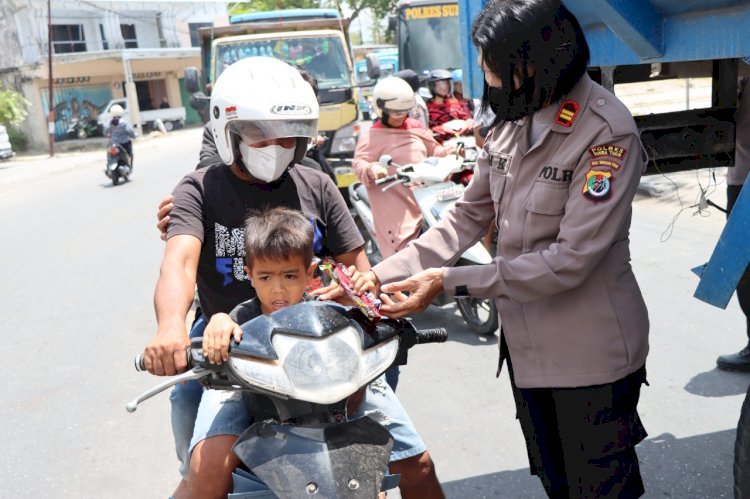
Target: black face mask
x,y
115,121
511,105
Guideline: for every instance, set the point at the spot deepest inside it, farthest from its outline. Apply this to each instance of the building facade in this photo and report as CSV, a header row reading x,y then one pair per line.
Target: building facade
x,y
101,50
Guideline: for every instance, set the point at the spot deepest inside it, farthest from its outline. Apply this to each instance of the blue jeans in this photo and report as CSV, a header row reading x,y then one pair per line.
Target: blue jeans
x,y
185,398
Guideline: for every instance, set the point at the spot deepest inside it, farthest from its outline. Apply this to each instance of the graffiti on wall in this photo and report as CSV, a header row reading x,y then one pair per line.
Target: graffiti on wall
x,y
76,110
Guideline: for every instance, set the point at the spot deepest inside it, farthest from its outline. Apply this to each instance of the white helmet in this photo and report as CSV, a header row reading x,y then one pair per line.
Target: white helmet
x,y
116,110
262,98
392,94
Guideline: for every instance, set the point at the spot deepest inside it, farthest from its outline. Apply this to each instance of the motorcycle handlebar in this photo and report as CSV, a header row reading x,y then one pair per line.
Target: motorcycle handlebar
x,y
140,361
385,180
436,335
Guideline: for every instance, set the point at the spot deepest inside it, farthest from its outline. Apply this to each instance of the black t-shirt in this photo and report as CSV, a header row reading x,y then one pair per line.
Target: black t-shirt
x,y
212,204
246,311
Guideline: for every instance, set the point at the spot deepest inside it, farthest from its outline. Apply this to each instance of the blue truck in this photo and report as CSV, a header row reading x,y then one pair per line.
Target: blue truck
x,y
630,41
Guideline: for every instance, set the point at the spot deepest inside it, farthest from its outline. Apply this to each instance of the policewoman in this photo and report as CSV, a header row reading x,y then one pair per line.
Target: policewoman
x,y
557,175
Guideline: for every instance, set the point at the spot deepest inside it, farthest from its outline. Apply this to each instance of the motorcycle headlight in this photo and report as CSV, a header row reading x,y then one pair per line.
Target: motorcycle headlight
x,y
329,369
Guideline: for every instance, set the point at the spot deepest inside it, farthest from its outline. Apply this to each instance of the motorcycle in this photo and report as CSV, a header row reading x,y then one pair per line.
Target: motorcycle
x,y
438,183
82,128
118,164
299,366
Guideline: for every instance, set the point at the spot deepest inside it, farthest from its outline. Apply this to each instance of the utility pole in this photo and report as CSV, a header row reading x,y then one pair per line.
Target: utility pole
x,y
51,118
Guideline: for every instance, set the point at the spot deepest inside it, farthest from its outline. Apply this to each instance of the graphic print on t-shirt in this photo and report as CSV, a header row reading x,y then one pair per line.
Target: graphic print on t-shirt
x,y
230,253
230,250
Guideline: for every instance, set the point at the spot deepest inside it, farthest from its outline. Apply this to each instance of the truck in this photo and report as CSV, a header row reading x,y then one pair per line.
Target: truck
x,y
645,40
171,117
315,39
427,35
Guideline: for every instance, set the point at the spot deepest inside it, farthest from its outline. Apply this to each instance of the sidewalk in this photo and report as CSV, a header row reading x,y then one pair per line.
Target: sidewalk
x,y
25,167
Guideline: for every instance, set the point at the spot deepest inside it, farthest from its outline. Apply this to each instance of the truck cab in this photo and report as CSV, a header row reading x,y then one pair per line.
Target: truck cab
x,y
314,39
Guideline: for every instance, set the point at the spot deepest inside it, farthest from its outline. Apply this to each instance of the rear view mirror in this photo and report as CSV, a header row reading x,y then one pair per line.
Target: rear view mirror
x,y
392,21
373,66
192,83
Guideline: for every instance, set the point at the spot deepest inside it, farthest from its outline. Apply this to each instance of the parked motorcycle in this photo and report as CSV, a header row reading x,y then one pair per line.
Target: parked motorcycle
x,y
300,365
438,183
118,164
83,128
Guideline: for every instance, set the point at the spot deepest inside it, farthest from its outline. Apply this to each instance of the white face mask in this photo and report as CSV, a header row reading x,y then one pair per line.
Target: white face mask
x,y
266,163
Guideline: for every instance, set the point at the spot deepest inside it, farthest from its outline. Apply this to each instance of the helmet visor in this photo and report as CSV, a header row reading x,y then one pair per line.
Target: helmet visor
x,y
256,131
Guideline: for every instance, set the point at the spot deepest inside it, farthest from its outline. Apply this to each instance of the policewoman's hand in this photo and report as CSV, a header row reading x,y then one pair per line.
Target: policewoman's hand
x,y
422,287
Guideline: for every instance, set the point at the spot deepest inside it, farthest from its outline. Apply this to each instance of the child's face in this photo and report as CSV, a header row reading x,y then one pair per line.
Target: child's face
x,y
279,283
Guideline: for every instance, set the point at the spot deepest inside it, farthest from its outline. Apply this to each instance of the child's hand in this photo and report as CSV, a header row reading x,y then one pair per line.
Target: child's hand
x,y
220,329
364,281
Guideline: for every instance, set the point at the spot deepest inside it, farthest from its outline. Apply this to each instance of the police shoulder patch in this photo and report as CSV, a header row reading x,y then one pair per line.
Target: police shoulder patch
x,y
605,162
608,150
598,185
567,113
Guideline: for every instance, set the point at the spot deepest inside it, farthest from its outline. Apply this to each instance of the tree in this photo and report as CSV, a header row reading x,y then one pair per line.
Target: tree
x,y
265,5
380,8
13,107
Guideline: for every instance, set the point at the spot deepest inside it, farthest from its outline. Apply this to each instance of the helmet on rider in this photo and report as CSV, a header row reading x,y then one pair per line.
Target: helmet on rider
x,y
392,94
116,111
257,100
439,89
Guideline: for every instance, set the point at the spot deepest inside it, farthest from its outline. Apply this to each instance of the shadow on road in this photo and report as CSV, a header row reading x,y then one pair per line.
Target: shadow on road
x,y
718,383
685,468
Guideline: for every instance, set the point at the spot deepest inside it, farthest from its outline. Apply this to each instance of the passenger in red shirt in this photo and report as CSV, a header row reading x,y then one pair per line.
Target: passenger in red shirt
x,y
449,117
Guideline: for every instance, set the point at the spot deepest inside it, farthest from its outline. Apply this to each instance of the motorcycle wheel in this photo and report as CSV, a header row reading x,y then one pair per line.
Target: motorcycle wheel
x,y
81,133
115,178
742,452
480,314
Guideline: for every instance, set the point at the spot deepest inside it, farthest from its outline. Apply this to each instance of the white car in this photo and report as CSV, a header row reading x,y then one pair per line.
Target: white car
x,y
6,151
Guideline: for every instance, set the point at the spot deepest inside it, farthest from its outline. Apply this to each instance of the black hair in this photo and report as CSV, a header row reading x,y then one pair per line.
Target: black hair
x,y
278,234
518,35
309,78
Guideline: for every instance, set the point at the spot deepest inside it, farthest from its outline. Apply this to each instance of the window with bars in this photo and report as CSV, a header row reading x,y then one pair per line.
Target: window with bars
x,y
128,35
67,38
105,42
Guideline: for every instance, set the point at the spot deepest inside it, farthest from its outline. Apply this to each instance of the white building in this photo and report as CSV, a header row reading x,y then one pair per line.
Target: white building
x,y
101,50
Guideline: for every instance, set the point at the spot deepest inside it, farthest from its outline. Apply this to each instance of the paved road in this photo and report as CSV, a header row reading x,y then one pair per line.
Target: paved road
x,y
79,260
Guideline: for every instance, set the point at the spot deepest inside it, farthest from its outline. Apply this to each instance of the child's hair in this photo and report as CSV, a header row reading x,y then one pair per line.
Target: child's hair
x,y
278,234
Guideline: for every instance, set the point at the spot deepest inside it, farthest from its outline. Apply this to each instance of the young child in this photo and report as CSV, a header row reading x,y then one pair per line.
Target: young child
x,y
279,255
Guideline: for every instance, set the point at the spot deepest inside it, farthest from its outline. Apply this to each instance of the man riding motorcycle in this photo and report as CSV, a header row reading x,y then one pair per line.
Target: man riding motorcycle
x,y
120,132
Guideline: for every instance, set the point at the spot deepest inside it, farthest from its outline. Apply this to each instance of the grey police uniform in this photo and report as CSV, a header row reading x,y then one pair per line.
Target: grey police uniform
x,y
572,312
571,309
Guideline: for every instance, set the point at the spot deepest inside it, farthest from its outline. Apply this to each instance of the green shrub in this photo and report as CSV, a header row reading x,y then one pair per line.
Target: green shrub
x,y
18,139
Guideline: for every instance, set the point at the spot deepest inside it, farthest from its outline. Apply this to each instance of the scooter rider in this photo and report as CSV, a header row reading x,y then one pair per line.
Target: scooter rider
x,y
444,108
263,115
119,131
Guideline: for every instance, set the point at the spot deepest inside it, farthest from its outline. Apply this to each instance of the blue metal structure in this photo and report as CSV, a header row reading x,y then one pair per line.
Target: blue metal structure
x,y
625,32
730,258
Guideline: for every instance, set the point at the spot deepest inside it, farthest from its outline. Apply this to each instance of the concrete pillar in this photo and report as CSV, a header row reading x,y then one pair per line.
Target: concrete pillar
x,y
173,90
134,112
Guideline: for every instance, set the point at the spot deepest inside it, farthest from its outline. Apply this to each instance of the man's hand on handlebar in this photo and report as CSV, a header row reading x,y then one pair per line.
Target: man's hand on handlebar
x,y
166,355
